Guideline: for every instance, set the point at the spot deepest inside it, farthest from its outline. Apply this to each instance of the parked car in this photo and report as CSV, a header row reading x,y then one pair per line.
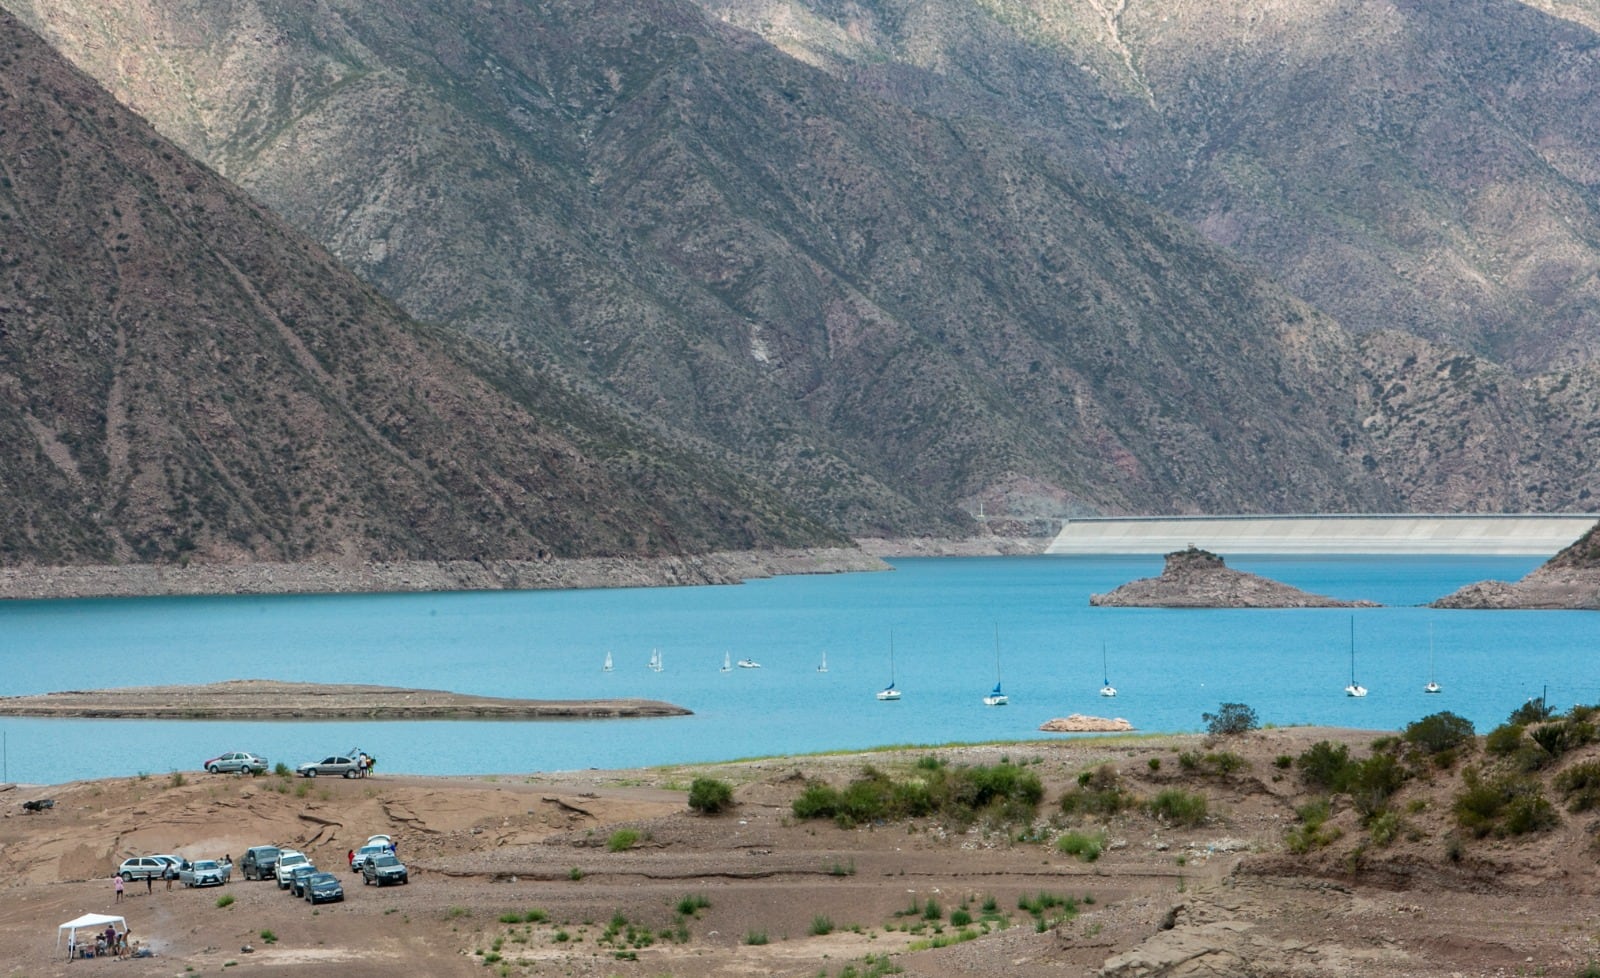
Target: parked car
x,y
204,872
142,867
259,862
364,853
337,764
386,868
288,859
323,888
298,876
236,761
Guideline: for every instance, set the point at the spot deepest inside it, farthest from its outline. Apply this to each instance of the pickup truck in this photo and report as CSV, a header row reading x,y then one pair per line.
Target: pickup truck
x,y
205,872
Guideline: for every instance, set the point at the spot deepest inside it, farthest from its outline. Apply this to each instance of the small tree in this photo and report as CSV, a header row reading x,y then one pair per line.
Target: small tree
x,y
710,796
1230,718
1439,732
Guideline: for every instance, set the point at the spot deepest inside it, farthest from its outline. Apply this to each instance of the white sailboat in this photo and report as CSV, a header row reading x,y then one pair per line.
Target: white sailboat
x,y
749,664
1355,688
607,666
655,660
1105,671
889,693
997,697
824,666
727,662
1433,686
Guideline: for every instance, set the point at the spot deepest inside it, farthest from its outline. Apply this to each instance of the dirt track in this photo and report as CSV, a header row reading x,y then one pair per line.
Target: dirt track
x,y
1224,898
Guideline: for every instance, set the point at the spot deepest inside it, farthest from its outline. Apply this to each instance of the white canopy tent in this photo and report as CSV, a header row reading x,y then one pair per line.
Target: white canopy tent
x,y
94,923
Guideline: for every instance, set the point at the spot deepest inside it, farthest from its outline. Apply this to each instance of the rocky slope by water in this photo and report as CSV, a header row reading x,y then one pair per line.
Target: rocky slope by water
x,y
1195,578
1570,580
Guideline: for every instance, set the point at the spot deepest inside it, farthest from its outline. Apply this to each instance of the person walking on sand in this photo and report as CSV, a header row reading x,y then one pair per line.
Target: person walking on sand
x,y
118,887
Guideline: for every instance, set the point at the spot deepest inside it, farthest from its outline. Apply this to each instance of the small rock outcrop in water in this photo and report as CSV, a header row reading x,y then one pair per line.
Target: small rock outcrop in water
x,y
1568,581
1195,578
1078,723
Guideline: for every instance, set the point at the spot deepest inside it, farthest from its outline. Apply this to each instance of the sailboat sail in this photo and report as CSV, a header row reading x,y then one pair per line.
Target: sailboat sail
x,y
1105,670
888,692
1355,688
996,698
1433,684
607,666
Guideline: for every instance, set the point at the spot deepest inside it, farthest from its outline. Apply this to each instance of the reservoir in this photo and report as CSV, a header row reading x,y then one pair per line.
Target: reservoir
x,y
954,624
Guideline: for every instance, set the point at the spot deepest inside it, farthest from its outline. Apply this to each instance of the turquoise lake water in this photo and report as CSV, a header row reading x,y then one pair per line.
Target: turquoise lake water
x,y
1169,666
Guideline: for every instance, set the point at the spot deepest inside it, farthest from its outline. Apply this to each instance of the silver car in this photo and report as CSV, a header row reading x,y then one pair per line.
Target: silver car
x,y
204,872
235,761
338,764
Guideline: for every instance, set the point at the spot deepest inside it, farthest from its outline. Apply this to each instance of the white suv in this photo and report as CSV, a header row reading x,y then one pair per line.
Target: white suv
x,y
288,859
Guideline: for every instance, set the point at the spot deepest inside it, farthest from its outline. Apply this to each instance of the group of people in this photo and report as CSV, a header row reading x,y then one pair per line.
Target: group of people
x,y
107,943
364,762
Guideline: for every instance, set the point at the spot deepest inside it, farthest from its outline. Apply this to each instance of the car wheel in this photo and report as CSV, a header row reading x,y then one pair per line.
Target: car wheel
x,y
349,774
127,877
311,772
212,769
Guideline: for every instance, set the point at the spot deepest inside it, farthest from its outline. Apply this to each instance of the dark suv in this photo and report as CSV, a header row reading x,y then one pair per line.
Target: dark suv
x,y
259,862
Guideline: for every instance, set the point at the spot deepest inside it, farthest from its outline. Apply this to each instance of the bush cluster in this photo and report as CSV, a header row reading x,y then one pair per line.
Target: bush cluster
x,y
710,796
1507,804
1178,807
1005,792
1230,718
1099,792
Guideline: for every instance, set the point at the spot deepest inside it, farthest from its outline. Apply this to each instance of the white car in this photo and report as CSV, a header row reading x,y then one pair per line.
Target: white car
x,y
288,859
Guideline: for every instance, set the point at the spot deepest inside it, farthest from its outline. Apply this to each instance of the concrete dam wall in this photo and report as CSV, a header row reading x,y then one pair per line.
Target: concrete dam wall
x,y
1514,535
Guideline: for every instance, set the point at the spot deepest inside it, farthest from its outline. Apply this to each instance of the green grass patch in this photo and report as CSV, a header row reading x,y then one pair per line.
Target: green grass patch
x,y
622,840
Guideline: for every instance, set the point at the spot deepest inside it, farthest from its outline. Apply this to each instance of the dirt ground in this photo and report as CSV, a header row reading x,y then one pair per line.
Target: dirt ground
x,y
768,893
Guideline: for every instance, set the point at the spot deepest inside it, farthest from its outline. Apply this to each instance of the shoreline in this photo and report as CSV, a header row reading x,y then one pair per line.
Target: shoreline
x,y
389,577
268,699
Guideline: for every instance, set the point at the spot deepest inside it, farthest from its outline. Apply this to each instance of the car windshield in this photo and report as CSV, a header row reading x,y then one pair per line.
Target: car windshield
x,y
374,850
386,861
206,864
292,859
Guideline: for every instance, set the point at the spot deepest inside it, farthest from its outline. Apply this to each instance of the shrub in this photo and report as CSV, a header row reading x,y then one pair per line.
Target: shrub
x,y
1561,736
960,917
1384,828
1580,786
1504,739
1153,763
1326,766
755,937
1533,711
710,796
1099,792
1312,832
1283,762
226,900
1510,804
268,937
1086,846
1373,782
1439,732
931,910
1230,718
622,839
281,770
821,926
1178,807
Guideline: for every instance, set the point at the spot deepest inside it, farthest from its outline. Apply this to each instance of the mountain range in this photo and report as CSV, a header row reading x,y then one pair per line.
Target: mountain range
x,y
900,261
186,378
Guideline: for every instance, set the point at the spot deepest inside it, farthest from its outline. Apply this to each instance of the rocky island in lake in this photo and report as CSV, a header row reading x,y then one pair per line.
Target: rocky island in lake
x,y
1195,578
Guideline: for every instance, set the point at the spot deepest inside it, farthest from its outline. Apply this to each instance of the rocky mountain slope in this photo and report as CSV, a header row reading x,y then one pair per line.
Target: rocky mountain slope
x,y
1570,580
1413,166
184,378
892,295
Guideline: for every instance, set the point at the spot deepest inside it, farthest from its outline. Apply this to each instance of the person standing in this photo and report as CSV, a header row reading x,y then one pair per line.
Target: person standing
x,y
118,887
149,884
170,874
